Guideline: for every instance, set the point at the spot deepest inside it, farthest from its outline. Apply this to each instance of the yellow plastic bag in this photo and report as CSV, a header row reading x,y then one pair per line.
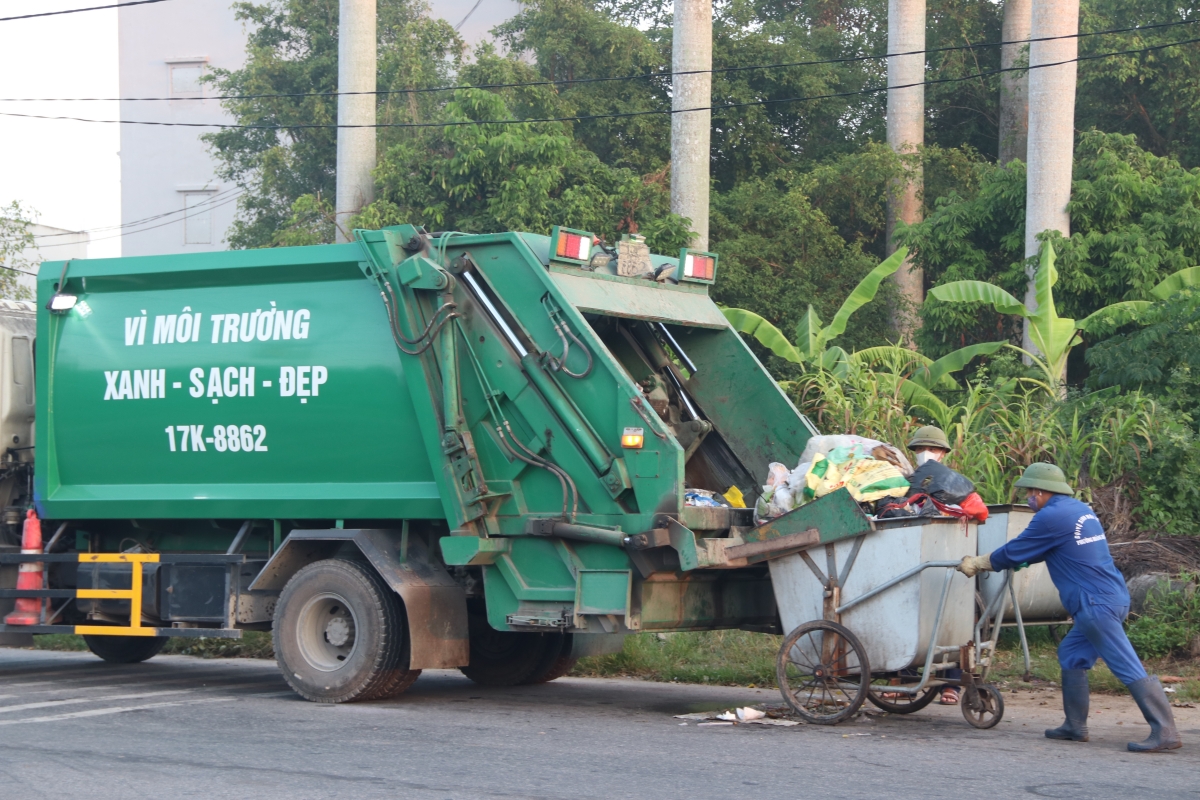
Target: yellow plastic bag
x,y
869,480
822,478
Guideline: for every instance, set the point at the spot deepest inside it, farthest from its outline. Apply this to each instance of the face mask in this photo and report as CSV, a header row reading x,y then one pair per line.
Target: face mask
x,y
1032,501
925,456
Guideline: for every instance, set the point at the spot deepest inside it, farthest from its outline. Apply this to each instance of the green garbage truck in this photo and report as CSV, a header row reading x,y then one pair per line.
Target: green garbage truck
x,y
497,453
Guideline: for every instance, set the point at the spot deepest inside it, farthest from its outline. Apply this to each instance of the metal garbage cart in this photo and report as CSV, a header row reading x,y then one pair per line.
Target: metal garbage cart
x,y
881,617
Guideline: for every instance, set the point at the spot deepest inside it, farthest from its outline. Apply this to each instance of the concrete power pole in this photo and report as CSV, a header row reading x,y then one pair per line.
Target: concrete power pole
x,y
1014,86
1051,129
355,146
691,51
906,134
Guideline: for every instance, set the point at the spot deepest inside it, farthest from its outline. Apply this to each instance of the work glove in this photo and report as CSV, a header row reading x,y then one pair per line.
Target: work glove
x,y
973,564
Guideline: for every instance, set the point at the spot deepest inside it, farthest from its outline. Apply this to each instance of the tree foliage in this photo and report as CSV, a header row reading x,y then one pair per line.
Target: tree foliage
x,y
16,244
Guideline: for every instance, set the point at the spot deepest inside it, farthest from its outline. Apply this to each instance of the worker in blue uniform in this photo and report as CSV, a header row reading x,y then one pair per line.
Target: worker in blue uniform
x,y
1067,536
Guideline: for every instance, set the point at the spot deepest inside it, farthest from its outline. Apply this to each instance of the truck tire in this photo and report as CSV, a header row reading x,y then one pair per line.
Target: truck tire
x,y
556,662
340,635
125,649
500,658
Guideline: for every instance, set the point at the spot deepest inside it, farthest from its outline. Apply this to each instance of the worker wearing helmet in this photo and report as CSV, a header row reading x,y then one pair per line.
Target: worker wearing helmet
x,y
1067,536
929,444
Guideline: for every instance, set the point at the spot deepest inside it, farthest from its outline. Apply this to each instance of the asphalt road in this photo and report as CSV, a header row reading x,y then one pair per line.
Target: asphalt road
x,y
72,726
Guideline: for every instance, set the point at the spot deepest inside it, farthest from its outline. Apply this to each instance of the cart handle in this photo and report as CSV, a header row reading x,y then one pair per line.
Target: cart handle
x,y
898,579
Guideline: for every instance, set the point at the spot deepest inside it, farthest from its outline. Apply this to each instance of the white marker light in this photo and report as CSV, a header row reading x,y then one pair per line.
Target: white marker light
x,y
62,303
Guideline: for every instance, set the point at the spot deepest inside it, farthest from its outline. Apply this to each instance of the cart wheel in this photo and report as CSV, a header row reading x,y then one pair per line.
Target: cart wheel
x,y
818,670
982,705
898,703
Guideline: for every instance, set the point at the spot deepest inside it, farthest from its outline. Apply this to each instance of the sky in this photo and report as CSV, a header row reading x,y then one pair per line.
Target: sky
x,y
68,172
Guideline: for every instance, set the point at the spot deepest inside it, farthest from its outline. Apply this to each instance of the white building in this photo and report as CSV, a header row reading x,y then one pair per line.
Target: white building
x,y
171,200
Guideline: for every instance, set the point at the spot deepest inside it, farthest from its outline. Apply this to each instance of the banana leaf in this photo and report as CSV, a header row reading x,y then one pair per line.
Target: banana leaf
x,y
768,335
890,355
837,361
810,340
864,293
1171,284
979,292
938,372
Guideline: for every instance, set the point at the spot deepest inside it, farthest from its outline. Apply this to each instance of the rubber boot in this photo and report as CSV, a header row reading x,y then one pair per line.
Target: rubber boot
x,y
1076,696
1156,708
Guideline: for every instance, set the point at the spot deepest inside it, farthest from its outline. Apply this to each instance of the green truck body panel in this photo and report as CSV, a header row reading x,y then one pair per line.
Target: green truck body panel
x,y
188,393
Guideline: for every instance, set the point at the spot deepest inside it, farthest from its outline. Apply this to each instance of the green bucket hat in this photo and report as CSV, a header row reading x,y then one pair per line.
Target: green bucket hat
x,y
1047,477
929,436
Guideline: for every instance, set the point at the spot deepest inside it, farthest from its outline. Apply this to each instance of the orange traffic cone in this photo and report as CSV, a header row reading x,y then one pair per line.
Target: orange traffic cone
x,y
27,610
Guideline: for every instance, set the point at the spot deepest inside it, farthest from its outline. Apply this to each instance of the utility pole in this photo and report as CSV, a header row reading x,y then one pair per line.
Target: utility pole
x,y
691,51
1014,86
905,135
355,146
1051,130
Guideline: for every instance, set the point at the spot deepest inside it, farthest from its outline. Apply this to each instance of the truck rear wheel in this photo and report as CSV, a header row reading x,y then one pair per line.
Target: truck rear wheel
x,y
125,649
340,635
500,658
556,662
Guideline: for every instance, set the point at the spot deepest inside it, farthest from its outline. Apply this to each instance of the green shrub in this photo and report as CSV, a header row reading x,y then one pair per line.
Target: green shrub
x,y
1170,623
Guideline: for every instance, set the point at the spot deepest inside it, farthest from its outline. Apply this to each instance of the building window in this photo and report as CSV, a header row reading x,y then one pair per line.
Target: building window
x,y
185,79
197,218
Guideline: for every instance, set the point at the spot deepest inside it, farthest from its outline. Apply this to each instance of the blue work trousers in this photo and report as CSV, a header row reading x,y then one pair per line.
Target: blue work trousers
x,y
1098,633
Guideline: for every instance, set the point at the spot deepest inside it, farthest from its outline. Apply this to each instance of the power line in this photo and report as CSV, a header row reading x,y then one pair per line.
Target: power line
x,y
609,79
618,115
22,271
79,10
225,202
142,221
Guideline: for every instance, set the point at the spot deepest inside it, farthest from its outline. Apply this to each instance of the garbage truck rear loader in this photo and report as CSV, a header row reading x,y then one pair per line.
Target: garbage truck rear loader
x,y
410,451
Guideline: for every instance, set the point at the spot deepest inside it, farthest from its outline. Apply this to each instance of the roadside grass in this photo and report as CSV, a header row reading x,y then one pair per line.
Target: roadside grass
x,y
727,658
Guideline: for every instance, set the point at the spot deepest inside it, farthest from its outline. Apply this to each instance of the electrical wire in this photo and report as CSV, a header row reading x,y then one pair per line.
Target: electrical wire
x,y
79,10
161,224
214,198
618,115
609,79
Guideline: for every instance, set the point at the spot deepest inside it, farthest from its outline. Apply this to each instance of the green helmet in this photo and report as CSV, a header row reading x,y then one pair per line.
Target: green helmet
x,y
1047,477
929,436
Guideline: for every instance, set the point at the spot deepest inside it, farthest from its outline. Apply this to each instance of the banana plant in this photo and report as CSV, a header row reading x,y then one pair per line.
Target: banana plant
x,y
915,376
812,338
1052,335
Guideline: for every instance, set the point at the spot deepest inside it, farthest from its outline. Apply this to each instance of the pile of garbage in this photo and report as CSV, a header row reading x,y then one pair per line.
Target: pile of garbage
x,y
876,474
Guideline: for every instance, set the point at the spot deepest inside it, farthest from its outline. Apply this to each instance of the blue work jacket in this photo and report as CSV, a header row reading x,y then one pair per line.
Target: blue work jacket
x,y
1067,536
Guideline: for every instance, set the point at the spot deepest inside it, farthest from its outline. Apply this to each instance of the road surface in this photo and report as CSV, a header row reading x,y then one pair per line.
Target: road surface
x,y
72,726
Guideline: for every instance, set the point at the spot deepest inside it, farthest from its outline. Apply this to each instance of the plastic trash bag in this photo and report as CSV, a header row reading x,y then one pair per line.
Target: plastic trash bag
x,y
941,483
776,474
822,478
704,499
847,447
869,480
735,497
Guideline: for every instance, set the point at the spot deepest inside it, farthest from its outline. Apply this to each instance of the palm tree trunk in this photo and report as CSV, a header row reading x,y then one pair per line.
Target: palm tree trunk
x,y
1014,86
1051,130
906,135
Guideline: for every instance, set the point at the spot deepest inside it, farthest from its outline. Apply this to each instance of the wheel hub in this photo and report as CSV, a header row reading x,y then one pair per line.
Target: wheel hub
x,y
338,631
326,632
